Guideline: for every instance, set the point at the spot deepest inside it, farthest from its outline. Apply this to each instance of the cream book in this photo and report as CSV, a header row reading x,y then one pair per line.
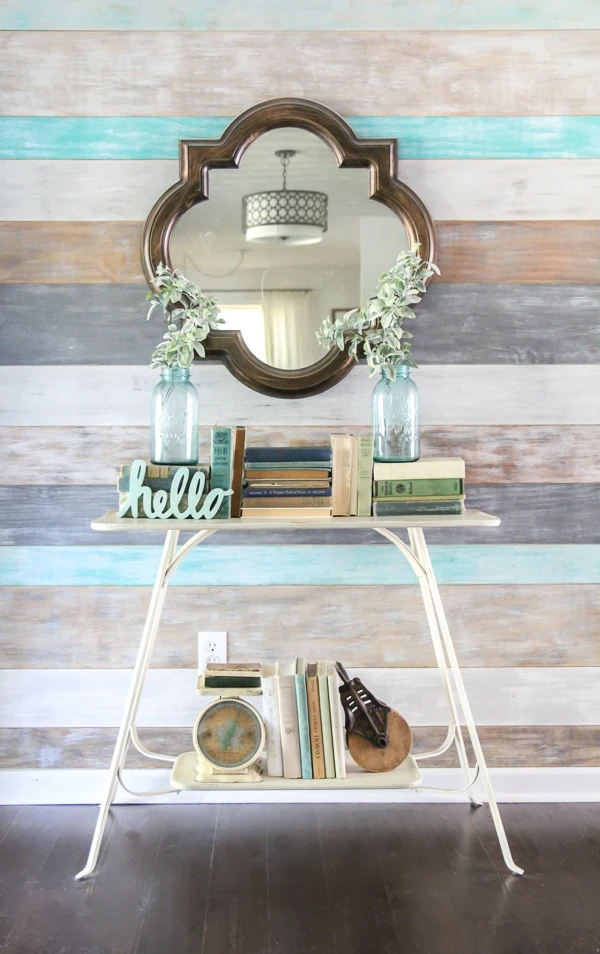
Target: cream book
x,y
270,705
314,721
285,513
288,719
354,472
427,468
341,475
326,720
337,721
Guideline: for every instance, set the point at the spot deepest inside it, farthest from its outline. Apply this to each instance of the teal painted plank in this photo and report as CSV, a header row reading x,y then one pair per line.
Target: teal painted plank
x,y
297,565
307,15
420,137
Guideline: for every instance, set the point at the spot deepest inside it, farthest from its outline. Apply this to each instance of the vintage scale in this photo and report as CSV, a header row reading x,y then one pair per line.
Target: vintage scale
x,y
229,733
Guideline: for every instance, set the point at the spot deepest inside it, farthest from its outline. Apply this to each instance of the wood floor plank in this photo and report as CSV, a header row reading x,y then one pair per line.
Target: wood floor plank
x,y
363,919
23,851
175,908
45,922
528,454
237,913
520,252
97,627
297,883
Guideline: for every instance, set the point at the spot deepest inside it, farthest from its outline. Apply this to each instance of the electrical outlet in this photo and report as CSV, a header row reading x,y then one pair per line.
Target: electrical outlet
x,y
212,648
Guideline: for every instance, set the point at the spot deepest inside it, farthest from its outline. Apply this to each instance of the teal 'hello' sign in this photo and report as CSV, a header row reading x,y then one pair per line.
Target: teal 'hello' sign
x,y
162,504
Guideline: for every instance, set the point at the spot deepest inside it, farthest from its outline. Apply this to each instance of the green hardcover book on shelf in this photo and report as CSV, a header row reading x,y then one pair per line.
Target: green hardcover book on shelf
x,y
365,474
415,508
326,719
303,726
221,466
418,488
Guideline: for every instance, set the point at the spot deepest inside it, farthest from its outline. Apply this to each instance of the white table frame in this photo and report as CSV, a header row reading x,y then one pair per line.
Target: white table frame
x,y
417,555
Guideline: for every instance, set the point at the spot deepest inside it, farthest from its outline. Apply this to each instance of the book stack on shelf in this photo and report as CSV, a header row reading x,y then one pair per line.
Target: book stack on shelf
x,y
284,482
304,720
352,470
431,485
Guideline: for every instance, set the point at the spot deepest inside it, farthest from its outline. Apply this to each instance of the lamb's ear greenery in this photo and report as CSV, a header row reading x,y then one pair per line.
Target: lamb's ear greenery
x,y
189,315
376,330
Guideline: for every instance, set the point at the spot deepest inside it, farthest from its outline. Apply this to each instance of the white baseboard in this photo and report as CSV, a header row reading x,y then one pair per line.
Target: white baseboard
x,y
86,787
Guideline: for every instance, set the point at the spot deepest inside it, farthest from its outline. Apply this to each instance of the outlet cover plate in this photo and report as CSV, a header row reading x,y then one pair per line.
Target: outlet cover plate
x,y
212,647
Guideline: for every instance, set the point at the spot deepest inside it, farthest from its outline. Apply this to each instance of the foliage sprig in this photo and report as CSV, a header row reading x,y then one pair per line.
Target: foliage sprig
x,y
376,330
189,315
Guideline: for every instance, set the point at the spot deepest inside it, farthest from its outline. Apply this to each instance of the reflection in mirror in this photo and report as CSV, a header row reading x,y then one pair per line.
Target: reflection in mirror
x,y
284,241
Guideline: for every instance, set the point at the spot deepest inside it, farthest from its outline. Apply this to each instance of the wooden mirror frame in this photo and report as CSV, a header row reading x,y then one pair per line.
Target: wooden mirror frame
x,y
197,157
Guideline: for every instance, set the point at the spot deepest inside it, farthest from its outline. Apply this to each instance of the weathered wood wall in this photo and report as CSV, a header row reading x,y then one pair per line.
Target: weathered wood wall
x,y
495,109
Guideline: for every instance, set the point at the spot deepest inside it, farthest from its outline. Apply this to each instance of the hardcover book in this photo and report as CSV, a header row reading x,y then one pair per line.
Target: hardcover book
x,y
419,488
270,454
237,476
288,719
288,484
337,721
294,503
314,721
427,468
341,446
413,508
292,474
354,464
270,707
326,720
285,513
365,474
303,727
287,492
221,465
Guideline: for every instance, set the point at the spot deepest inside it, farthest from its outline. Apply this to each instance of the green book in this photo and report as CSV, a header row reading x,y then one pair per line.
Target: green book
x,y
221,466
365,474
413,508
444,487
303,727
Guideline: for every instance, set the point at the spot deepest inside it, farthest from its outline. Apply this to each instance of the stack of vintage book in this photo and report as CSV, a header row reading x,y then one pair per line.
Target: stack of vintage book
x,y
303,719
431,485
284,482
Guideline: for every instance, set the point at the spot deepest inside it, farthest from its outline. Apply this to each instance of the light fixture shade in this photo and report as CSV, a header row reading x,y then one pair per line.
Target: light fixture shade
x,y
285,217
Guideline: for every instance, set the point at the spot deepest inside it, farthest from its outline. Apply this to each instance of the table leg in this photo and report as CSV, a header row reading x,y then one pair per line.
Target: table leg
x,y
425,560
157,600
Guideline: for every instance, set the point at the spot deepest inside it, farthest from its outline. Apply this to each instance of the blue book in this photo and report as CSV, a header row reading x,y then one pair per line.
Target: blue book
x,y
221,465
287,492
259,455
303,728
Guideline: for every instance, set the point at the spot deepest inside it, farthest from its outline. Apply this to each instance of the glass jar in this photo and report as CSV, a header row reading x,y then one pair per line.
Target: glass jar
x,y
174,422
396,418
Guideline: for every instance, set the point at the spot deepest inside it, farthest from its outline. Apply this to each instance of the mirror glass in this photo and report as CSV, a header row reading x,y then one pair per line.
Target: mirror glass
x,y
279,260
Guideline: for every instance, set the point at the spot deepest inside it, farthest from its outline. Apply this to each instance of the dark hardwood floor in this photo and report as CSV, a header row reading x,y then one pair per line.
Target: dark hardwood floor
x,y
301,879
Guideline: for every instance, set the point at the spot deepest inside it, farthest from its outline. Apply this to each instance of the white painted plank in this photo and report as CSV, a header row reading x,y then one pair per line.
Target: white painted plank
x,y
504,696
452,189
86,787
82,395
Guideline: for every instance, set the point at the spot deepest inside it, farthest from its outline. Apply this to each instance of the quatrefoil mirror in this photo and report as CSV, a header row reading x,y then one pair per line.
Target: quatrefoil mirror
x,y
286,219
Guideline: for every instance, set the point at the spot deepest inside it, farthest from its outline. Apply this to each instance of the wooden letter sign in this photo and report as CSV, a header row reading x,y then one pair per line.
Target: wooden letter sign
x,y
154,503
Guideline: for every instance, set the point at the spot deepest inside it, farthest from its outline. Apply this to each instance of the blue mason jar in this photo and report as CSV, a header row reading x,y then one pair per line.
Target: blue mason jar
x,y
174,423
396,418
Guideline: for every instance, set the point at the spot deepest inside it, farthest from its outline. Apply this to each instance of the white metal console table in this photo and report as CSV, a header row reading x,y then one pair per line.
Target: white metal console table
x,y
417,555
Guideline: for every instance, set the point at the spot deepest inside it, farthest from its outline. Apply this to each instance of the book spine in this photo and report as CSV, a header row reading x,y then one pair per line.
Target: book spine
x,y
270,454
337,724
270,502
316,732
221,466
442,468
288,465
403,508
270,704
318,474
341,475
303,727
289,727
365,474
287,492
237,475
419,488
326,727
354,465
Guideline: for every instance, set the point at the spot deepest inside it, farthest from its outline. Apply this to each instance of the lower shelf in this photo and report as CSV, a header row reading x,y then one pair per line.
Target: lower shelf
x,y
406,775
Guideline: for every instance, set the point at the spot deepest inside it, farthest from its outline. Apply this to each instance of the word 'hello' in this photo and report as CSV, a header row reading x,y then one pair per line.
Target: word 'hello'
x,y
155,502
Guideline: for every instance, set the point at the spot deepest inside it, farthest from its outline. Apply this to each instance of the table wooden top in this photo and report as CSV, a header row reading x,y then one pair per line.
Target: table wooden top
x,y
470,518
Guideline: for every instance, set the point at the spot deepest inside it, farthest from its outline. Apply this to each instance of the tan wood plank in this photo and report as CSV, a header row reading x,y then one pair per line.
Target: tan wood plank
x,y
510,746
69,456
120,73
99,627
469,252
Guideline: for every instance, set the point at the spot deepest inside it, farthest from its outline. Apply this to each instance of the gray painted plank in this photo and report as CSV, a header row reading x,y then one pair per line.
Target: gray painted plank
x,y
456,324
531,513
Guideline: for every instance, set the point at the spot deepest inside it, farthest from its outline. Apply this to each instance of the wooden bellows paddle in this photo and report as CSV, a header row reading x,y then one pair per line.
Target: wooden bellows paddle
x,y
378,738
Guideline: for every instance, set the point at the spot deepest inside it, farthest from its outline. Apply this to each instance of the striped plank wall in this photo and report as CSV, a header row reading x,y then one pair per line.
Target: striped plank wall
x,y
494,105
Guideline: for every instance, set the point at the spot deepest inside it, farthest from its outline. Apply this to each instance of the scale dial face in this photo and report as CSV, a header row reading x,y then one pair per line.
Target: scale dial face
x,y
229,734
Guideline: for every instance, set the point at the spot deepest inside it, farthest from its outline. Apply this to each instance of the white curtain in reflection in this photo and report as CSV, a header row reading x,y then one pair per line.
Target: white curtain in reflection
x,y
289,332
